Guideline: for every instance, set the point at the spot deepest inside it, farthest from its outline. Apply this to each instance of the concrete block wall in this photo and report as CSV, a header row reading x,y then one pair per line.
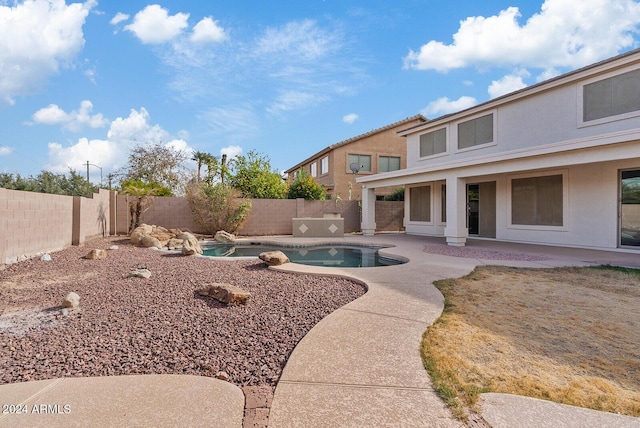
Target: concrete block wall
x,y
169,212
389,215
270,217
92,217
33,223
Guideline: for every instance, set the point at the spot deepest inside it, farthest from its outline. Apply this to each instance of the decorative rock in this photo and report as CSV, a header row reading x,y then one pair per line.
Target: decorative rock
x,y
149,241
72,300
140,273
191,247
136,237
185,235
113,247
226,293
96,255
274,258
222,376
222,236
45,257
174,244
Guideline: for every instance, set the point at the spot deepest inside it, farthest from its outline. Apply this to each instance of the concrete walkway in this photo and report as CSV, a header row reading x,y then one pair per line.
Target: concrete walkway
x,y
360,366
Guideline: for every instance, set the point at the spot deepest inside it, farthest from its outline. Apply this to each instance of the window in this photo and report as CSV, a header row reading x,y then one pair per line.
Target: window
x,y
433,143
537,201
324,165
420,203
388,163
475,132
611,97
362,161
314,169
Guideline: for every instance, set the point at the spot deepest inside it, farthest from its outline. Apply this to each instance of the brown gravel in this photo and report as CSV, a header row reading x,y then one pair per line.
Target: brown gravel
x,y
157,325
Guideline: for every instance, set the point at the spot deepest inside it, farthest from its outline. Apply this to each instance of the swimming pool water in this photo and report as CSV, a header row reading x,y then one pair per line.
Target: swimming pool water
x,y
320,255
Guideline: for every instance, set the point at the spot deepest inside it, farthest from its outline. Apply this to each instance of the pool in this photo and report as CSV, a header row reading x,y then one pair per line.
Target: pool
x,y
334,255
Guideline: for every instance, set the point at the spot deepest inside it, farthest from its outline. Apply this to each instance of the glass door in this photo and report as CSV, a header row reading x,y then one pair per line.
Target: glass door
x,y
630,208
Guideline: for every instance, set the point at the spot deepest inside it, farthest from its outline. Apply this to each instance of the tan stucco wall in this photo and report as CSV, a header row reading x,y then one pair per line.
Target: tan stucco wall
x,y
383,143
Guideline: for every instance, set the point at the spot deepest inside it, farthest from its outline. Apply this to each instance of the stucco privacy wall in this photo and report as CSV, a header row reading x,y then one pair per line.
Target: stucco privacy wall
x,y
169,212
32,223
267,217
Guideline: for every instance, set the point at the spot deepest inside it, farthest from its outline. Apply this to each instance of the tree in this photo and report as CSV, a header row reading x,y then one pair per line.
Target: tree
x,y
159,164
253,176
206,159
143,194
217,206
304,186
49,182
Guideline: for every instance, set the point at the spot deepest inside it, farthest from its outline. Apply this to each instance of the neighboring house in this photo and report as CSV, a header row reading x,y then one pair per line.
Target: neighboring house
x,y
380,150
556,163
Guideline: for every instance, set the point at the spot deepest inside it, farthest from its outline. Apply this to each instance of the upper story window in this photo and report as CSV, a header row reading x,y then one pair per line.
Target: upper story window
x,y
314,169
433,142
613,96
324,165
388,163
475,132
362,161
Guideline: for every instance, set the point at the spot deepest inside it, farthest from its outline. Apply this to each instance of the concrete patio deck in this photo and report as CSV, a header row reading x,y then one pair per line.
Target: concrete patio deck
x,y
360,366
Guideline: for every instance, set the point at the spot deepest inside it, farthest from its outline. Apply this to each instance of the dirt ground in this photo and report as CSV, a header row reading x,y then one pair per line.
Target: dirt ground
x,y
569,335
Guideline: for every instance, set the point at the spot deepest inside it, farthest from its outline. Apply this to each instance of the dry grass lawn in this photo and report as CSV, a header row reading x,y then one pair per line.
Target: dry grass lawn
x,y
570,335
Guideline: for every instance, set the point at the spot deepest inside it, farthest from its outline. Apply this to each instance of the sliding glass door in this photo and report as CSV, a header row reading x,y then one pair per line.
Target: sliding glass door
x,y
630,208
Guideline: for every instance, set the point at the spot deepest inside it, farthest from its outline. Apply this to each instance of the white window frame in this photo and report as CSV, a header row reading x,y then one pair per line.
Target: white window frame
x,y
447,139
390,156
362,171
314,169
324,165
580,100
454,131
565,200
408,205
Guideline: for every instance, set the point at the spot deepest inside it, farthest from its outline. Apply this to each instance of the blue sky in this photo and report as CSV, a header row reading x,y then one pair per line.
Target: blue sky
x,y
87,81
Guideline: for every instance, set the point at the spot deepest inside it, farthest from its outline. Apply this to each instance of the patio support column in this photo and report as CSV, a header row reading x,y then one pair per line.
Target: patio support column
x,y
368,224
456,230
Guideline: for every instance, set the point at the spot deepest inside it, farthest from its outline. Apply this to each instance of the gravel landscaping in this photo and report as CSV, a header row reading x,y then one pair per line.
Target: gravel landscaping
x,y
156,325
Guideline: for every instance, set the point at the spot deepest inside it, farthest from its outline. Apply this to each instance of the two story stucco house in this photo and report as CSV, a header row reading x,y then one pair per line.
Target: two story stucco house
x,y
556,163
379,150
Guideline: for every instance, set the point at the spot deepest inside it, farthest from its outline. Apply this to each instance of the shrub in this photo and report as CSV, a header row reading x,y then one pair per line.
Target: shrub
x,y
304,186
217,207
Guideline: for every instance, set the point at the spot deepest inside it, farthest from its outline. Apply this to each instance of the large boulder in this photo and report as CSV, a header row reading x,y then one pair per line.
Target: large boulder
x,y
136,236
149,241
191,247
225,293
274,258
222,236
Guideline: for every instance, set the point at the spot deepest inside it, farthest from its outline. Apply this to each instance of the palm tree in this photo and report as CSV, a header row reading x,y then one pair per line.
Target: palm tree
x,y
202,158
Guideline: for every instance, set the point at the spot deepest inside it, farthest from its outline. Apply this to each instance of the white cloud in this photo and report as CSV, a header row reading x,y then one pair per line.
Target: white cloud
x,y
508,83
231,122
350,118
120,17
74,120
5,151
111,153
294,100
565,33
444,105
208,30
301,40
37,37
154,25
231,151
